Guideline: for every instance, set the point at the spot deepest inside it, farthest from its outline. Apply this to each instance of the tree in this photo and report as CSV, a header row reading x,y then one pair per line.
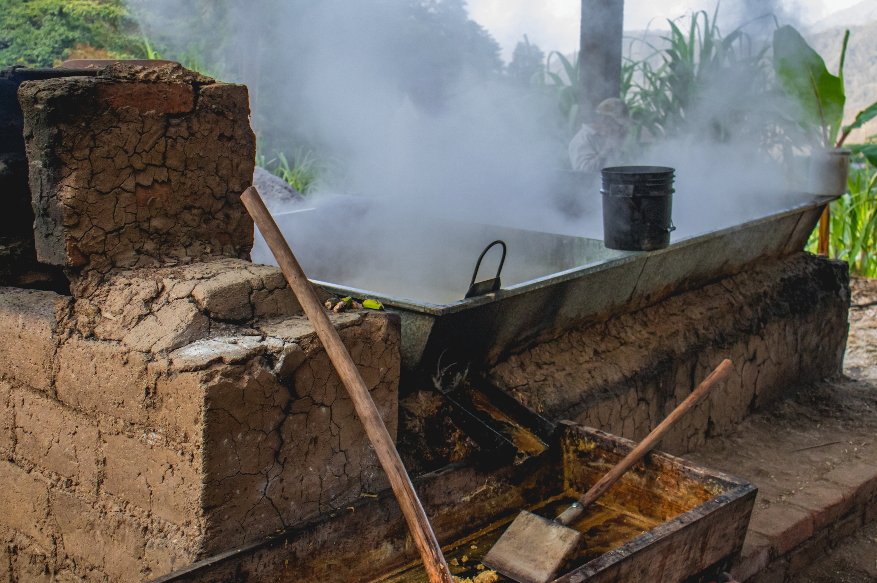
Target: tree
x,y
38,33
526,61
310,65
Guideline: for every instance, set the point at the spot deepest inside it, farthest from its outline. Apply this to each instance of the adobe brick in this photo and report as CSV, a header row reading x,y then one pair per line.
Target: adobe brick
x,y
859,478
153,477
826,502
7,419
163,555
129,188
179,405
31,565
811,550
845,527
56,439
104,377
29,326
870,512
159,97
5,563
110,541
226,296
24,504
784,526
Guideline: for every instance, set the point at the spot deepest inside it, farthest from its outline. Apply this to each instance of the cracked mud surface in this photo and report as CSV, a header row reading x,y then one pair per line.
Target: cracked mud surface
x,y
172,413
779,322
138,167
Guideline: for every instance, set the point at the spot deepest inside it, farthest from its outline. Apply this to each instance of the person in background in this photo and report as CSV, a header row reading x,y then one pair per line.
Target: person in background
x,y
600,144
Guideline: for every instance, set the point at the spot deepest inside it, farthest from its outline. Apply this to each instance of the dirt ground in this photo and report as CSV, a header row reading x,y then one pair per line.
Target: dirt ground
x,y
855,559
799,439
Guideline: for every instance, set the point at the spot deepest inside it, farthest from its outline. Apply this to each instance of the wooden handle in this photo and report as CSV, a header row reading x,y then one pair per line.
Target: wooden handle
x,y
573,512
424,538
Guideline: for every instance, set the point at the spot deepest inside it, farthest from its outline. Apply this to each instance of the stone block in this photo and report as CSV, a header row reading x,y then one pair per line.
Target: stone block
x,y
784,526
29,335
24,505
825,501
103,539
754,557
153,476
155,175
57,439
105,377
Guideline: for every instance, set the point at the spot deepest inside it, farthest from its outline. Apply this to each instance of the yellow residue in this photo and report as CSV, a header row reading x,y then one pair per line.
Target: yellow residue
x,y
485,577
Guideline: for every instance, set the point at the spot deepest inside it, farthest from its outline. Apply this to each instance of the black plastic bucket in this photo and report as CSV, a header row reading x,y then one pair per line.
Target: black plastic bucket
x,y
637,205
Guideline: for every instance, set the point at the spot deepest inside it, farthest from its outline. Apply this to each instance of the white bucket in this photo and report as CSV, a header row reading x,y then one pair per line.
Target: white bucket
x,y
829,169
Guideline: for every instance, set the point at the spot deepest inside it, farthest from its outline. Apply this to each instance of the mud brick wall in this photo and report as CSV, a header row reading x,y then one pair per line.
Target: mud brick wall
x,y
18,259
168,414
138,167
782,322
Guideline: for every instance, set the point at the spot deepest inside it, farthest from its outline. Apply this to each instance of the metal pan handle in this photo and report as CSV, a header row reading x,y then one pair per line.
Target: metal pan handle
x,y
483,253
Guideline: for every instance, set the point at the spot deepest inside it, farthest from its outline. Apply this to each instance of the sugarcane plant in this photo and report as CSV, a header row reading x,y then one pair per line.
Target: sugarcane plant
x,y
663,89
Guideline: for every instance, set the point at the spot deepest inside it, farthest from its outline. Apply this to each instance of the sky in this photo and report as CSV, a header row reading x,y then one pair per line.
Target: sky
x,y
554,24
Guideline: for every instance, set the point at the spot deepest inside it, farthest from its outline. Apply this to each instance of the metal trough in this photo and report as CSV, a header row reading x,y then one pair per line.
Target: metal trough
x,y
552,282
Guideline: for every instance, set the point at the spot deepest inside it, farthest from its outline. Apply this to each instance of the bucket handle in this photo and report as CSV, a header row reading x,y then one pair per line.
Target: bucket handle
x,y
480,257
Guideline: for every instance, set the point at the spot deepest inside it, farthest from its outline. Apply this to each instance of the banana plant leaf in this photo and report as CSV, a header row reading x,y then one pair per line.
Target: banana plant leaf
x,y
869,151
862,118
806,80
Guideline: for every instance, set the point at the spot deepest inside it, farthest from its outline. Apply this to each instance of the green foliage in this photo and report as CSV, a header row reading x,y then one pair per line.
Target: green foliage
x,y
566,89
867,151
805,78
302,174
526,63
862,118
853,223
37,33
664,90
296,56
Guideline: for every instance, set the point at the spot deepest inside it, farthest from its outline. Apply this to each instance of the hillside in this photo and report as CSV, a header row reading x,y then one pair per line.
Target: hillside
x,y
856,15
860,68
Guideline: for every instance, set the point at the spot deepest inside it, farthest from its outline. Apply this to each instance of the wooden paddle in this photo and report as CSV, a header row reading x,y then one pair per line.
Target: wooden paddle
x,y
533,548
424,538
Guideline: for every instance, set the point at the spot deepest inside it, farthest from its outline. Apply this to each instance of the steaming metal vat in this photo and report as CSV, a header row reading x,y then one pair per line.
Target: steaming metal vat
x,y
553,282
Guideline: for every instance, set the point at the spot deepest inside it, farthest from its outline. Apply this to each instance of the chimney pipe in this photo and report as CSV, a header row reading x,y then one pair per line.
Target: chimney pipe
x,y
600,53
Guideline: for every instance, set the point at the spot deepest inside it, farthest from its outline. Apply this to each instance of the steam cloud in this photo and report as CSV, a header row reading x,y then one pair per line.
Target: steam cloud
x,y
420,147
